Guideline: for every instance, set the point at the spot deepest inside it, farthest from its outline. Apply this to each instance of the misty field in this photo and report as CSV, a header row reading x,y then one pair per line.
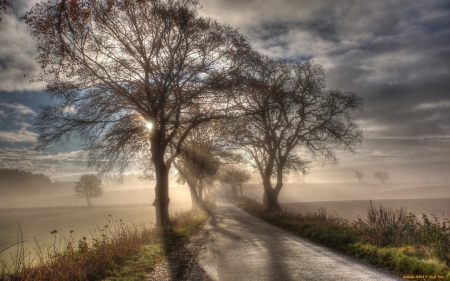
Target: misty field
x,y
38,223
352,200
350,210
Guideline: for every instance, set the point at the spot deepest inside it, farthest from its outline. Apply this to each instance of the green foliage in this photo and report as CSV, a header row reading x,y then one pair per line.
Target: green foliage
x,y
395,240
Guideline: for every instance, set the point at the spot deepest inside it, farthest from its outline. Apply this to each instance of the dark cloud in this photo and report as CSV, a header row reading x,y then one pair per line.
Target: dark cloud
x,y
17,49
394,54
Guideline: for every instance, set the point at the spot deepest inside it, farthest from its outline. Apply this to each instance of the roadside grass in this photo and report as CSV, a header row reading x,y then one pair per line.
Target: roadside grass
x,y
394,240
117,251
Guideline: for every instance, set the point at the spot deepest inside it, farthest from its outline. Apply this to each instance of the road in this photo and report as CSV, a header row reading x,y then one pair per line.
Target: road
x,y
242,247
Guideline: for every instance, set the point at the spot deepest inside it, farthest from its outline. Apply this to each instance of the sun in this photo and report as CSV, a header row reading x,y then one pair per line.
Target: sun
x,y
149,125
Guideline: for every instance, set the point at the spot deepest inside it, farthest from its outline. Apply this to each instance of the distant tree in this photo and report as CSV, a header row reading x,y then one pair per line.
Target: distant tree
x,y
132,76
194,164
15,175
200,159
235,176
4,9
14,182
287,108
381,176
89,186
359,175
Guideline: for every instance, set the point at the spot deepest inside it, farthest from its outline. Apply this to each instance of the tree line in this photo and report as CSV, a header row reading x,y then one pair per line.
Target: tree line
x,y
153,84
15,182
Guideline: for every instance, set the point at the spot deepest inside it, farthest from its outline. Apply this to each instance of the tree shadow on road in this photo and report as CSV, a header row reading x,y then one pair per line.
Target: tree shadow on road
x,y
181,259
272,264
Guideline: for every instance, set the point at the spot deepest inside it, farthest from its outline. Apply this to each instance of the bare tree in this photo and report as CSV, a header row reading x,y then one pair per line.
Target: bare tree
x,y
359,175
381,176
235,176
288,109
132,78
200,159
89,186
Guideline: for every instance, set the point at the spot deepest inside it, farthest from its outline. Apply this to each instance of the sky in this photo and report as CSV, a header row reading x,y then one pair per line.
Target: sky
x,y
394,54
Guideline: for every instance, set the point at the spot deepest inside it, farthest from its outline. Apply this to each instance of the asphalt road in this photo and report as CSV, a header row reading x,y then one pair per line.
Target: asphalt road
x,y
242,247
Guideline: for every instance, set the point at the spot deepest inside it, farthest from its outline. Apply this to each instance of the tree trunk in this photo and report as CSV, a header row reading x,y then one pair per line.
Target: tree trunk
x,y
271,197
162,199
272,201
234,190
191,182
206,191
194,197
240,187
200,191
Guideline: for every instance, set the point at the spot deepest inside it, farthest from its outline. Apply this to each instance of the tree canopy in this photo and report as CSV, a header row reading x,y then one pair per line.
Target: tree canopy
x,y
200,158
89,186
359,175
288,109
381,176
235,176
118,68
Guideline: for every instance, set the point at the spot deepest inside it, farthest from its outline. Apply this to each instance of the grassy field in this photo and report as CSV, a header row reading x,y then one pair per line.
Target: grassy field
x,y
38,223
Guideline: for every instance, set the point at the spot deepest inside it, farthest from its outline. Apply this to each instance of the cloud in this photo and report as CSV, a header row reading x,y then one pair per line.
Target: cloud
x,y
17,53
52,164
21,135
433,105
70,109
19,109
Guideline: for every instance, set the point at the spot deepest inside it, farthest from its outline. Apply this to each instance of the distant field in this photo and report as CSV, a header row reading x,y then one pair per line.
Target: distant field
x,y
350,210
39,222
307,192
352,200
178,195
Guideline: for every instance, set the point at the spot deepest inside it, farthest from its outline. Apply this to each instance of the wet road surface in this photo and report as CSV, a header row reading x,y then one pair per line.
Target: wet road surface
x,y
242,247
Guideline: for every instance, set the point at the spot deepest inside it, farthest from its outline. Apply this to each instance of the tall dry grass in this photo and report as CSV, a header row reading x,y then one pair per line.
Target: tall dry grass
x,y
90,258
399,228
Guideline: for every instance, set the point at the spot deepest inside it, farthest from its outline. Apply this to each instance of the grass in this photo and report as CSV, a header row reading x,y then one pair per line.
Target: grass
x,y
394,240
117,251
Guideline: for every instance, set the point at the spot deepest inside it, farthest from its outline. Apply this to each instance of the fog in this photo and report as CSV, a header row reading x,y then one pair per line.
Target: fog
x,y
351,200
131,191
